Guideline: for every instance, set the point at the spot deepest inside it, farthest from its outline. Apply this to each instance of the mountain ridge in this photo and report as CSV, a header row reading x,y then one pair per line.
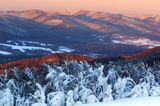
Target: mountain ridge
x,y
34,33
149,55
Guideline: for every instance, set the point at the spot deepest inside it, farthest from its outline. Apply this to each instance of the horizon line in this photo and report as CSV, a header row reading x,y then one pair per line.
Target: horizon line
x,y
77,10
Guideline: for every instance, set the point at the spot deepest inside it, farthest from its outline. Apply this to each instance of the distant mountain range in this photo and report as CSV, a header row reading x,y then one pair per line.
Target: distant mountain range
x,y
33,33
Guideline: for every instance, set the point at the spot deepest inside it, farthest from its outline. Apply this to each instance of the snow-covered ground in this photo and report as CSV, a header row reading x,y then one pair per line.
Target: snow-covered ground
x,y
136,41
65,49
5,53
141,101
24,43
24,48
44,47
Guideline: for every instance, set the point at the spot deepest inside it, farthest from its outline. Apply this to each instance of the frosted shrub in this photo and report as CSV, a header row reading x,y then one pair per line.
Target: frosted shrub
x,y
56,99
92,99
108,94
6,98
70,98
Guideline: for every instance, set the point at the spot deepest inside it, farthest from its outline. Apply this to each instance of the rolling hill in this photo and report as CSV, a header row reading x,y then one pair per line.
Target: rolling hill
x,y
34,33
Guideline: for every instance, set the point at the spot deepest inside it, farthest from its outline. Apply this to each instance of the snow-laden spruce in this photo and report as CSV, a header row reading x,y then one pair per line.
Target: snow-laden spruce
x,y
73,83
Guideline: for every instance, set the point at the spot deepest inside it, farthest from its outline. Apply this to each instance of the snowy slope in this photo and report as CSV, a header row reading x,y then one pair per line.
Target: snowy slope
x,y
142,101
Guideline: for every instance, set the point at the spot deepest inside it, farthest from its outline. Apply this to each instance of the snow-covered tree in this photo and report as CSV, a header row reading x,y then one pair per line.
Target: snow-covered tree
x,y
73,82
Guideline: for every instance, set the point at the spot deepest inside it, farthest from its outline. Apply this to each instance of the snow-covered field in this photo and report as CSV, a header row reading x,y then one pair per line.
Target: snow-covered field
x,y
65,49
24,48
42,46
141,101
5,53
137,41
